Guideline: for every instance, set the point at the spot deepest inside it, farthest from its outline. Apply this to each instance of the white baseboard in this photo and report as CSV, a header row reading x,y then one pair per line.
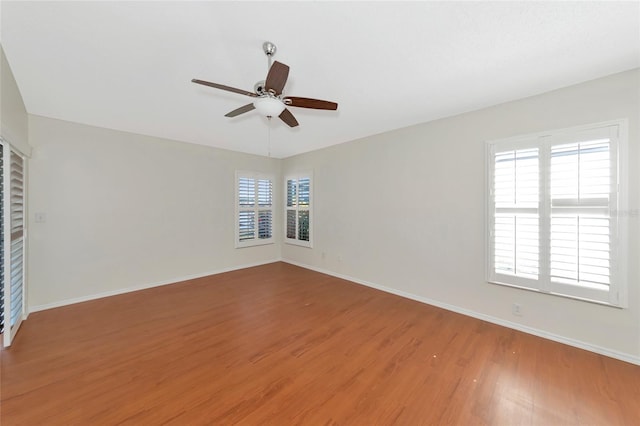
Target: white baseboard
x,y
530,330
71,301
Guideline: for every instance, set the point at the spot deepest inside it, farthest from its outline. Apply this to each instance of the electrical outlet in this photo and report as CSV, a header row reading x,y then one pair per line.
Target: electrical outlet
x,y
516,309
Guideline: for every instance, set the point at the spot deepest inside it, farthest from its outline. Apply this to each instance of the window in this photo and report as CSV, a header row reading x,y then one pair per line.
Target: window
x,y
553,208
254,209
298,215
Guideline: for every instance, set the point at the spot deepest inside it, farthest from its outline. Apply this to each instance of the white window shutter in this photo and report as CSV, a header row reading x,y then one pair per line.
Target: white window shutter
x,y
298,211
265,209
580,187
516,196
553,210
254,209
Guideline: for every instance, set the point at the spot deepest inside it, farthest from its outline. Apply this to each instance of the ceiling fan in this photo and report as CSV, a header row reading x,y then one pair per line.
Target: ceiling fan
x,y
270,100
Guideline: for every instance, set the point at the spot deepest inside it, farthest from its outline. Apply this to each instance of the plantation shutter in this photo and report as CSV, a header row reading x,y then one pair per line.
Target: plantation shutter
x,y
516,217
553,213
254,209
17,237
298,210
265,206
246,213
291,208
2,234
13,243
582,198
304,194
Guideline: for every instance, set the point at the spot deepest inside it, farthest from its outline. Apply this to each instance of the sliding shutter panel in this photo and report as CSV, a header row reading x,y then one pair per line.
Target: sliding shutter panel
x,y
17,237
14,242
2,232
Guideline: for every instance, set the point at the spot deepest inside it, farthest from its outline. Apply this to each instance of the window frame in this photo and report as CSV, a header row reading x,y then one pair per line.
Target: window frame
x,y
616,294
297,208
256,208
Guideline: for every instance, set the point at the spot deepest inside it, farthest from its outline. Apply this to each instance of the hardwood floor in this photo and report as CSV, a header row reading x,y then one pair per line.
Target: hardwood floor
x,y
281,345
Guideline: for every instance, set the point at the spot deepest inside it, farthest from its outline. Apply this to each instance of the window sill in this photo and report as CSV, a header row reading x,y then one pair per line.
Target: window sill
x,y
557,294
245,244
306,244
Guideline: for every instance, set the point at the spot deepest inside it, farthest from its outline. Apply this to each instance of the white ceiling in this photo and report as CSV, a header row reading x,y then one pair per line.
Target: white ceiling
x,y
128,65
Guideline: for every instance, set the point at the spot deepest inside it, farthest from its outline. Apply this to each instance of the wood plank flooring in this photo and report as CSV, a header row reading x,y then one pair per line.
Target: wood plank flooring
x,y
281,345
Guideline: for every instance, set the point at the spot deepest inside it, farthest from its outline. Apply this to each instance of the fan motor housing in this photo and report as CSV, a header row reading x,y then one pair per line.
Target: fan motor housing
x,y
259,87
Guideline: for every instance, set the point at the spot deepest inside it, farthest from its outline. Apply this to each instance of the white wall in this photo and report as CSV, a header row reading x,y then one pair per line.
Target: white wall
x,y
13,115
126,211
406,210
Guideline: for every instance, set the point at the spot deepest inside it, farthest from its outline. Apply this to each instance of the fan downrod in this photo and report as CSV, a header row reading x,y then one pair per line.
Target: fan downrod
x,y
269,49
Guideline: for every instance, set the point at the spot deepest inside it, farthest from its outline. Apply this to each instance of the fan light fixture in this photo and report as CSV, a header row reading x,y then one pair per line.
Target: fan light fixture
x,y
269,107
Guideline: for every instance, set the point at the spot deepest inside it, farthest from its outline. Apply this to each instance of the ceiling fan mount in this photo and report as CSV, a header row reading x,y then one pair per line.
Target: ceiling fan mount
x,y
270,100
269,48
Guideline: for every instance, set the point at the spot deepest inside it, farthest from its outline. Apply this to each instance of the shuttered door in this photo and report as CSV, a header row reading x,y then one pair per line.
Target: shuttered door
x,y
1,239
14,243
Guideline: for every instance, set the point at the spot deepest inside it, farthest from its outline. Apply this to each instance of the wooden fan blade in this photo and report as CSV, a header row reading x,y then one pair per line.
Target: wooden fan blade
x,y
309,103
288,118
277,77
241,110
223,87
